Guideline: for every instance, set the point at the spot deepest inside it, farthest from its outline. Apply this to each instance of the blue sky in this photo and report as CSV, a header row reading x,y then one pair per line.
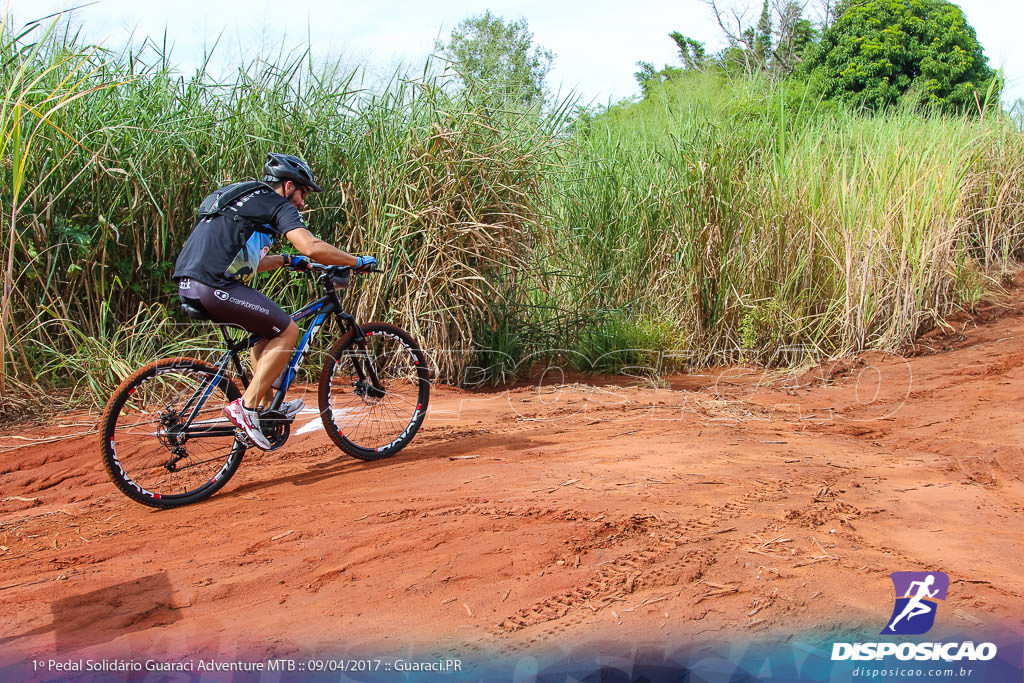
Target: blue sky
x,y
596,43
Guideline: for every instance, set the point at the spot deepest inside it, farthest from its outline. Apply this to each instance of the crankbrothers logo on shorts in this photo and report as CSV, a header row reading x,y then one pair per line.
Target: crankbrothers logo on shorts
x,y
916,595
221,294
251,305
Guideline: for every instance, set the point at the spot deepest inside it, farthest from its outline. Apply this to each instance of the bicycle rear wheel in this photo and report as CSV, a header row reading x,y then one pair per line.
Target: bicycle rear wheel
x,y
373,395
149,452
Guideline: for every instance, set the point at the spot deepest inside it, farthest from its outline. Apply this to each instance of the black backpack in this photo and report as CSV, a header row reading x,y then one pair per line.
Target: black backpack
x,y
218,201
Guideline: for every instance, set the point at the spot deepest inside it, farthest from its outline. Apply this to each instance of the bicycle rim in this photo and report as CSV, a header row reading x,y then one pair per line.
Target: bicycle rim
x,y
373,397
144,451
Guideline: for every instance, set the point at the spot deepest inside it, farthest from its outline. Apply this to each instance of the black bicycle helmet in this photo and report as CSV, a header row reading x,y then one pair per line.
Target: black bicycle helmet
x,y
288,167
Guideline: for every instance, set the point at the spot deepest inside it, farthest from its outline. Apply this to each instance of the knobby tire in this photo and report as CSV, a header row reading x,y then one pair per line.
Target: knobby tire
x,y
139,420
371,420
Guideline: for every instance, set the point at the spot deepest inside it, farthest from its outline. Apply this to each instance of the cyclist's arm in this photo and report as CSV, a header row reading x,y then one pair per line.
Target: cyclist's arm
x,y
270,263
316,249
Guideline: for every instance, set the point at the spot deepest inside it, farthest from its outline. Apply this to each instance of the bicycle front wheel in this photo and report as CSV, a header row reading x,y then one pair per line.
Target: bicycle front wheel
x,y
165,440
373,394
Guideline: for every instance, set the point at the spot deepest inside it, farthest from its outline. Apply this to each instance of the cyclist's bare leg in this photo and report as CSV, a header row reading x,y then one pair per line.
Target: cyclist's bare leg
x,y
255,352
268,362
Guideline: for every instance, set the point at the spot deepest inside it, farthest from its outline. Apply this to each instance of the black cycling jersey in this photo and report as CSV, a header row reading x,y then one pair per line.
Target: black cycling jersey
x,y
222,249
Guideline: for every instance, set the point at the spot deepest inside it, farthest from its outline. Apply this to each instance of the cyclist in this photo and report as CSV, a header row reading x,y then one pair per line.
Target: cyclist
x,y
220,259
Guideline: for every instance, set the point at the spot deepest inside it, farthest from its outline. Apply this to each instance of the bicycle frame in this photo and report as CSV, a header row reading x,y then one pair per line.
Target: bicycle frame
x,y
319,311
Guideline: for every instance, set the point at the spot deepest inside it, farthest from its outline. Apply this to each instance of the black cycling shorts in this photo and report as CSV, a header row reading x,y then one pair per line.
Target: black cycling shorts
x,y
236,304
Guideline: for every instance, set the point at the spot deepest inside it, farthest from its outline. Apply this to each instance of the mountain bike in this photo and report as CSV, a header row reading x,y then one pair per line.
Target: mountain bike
x,y
166,442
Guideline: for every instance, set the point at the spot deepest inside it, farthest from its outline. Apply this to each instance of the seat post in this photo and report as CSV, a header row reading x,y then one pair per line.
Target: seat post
x,y
227,335
233,348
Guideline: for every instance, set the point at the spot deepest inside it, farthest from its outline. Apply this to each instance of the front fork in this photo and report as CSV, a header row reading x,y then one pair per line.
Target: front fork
x,y
369,384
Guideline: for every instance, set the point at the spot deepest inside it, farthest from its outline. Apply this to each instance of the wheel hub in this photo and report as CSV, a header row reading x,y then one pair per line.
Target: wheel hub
x,y
365,390
168,434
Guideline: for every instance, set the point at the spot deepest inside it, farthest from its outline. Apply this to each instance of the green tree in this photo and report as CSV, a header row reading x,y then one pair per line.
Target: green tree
x,y
775,45
878,51
497,61
692,52
648,77
763,39
796,35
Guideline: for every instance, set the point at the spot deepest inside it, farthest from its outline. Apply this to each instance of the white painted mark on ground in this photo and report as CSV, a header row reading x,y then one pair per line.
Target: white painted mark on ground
x,y
317,424
310,426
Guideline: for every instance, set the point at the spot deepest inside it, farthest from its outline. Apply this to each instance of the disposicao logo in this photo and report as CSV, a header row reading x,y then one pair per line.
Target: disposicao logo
x,y
917,594
914,613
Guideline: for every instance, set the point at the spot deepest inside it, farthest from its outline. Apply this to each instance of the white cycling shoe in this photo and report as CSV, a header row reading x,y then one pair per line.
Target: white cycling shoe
x,y
292,408
248,421
289,408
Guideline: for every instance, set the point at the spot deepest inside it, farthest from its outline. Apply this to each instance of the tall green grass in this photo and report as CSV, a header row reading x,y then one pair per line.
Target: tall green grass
x,y
765,226
718,221
37,87
445,193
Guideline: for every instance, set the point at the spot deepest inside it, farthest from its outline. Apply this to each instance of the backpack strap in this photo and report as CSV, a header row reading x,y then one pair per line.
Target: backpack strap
x,y
218,201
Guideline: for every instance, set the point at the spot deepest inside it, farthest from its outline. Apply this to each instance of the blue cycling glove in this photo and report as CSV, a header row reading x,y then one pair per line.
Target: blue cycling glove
x,y
366,264
297,263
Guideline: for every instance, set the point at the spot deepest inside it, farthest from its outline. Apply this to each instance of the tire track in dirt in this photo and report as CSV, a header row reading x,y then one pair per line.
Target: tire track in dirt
x,y
650,567
518,520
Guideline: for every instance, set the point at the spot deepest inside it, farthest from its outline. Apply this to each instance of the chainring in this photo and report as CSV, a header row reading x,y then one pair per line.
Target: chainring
x,y
276,427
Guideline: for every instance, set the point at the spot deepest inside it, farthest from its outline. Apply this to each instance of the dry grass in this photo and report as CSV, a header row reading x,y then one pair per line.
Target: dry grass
x,y
715,221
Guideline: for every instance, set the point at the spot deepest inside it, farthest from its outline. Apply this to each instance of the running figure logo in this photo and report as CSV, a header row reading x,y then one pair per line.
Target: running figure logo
x,y
914,612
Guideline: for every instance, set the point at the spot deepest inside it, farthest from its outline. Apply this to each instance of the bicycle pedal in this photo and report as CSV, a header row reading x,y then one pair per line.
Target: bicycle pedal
x,y
244,439
276,427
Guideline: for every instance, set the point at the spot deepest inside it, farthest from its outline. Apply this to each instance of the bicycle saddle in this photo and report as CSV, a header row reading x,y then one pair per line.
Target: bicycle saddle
x,y
194,313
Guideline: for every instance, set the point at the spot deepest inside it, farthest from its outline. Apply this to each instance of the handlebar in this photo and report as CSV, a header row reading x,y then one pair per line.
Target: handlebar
x,y
337,270
313,265
336,277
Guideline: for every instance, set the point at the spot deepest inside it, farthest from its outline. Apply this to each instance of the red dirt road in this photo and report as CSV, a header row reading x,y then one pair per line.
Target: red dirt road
x,y
713,507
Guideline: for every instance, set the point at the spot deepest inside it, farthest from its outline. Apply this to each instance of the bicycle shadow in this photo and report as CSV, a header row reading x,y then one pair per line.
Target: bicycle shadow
x,y
344,464
100,616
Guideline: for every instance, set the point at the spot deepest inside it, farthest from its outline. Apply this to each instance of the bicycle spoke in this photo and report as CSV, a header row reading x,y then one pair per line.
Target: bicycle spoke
x,y
375,419
149,455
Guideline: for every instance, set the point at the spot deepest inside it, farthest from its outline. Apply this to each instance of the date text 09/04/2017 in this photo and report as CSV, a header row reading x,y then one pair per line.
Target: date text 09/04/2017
x,y
353,665
339,665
